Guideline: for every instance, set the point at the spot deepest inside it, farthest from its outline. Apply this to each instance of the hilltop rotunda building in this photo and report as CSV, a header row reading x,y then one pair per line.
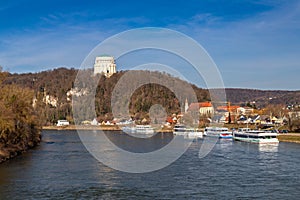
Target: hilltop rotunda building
x,y
105,65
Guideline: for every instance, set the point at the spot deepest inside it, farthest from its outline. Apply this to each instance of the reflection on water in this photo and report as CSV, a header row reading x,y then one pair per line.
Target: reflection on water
x,y
268,147
61,168
138,144
249,147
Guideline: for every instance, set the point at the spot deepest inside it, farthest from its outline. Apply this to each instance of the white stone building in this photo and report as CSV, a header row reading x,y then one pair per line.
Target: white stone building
x,y
105,65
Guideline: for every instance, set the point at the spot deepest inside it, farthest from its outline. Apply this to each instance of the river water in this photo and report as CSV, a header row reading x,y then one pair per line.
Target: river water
x,y
61,168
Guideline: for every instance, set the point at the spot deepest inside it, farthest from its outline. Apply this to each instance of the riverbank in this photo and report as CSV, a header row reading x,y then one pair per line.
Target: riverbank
x,y
90,127
83,127
9,151
290,137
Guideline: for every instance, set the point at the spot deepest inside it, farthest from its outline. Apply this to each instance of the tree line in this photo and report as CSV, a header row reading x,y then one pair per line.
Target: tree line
x,y
19,123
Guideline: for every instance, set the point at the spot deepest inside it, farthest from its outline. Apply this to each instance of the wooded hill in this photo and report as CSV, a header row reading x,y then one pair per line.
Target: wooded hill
x,y
58,82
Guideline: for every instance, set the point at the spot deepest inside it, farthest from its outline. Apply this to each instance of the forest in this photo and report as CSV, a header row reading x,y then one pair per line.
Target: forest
x,y
19,123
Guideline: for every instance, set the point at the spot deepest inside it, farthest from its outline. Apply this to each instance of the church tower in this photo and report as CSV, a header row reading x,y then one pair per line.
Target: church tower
x,y
186,105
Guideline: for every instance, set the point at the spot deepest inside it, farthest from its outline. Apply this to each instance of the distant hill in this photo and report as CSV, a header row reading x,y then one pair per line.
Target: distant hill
x,y
262,97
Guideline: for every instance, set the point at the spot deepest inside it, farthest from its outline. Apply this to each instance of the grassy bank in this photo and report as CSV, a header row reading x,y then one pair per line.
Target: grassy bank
x,y
291,137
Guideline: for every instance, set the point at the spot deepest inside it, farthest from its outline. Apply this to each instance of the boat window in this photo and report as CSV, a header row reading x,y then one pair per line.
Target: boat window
x,y
253,136
241,135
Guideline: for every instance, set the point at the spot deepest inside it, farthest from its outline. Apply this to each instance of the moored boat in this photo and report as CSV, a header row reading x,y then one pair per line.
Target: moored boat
x,y
179,129
144,129
141,129
187,132
194,133
128,129
221,132
256,136
225,135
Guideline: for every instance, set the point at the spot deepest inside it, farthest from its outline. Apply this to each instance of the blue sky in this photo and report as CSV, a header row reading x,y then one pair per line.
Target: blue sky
x,y
255,44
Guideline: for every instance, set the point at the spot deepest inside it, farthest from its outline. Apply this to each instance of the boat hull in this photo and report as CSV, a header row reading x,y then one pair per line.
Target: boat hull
x,y
187,132
139,129
220,132
257,141
194,135
225,136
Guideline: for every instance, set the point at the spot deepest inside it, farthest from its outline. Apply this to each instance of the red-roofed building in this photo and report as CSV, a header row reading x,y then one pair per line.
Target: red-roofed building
x,y
170,120
231,109
204,108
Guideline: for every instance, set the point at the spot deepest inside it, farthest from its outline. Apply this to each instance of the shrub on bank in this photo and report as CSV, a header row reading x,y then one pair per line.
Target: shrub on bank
x,y
19,125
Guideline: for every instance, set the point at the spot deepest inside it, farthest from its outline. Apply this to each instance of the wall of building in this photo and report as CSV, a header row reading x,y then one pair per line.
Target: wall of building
x,y
105,65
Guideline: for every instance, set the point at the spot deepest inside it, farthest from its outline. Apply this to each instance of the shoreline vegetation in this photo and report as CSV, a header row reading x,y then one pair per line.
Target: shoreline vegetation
x,y
19,124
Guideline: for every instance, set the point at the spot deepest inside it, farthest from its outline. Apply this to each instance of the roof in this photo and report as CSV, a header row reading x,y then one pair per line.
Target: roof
x,y
205,104
169,119
227,107
247,107
104,55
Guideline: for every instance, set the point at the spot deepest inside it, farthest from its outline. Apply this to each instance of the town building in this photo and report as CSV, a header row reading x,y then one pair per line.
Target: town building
x,y
204,108
228,108
62,122
105,65
245,110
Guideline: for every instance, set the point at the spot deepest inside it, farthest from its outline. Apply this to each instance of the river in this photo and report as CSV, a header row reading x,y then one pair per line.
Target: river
x,y
61,168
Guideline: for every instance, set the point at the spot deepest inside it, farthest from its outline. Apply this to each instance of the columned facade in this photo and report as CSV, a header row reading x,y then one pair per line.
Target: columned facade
x,y
105,65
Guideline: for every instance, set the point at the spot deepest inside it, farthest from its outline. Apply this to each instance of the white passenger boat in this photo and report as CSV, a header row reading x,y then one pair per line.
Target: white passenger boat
x,y
256,136
128,129
194,133
221,132
144,129
141,129
187,132
179,129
